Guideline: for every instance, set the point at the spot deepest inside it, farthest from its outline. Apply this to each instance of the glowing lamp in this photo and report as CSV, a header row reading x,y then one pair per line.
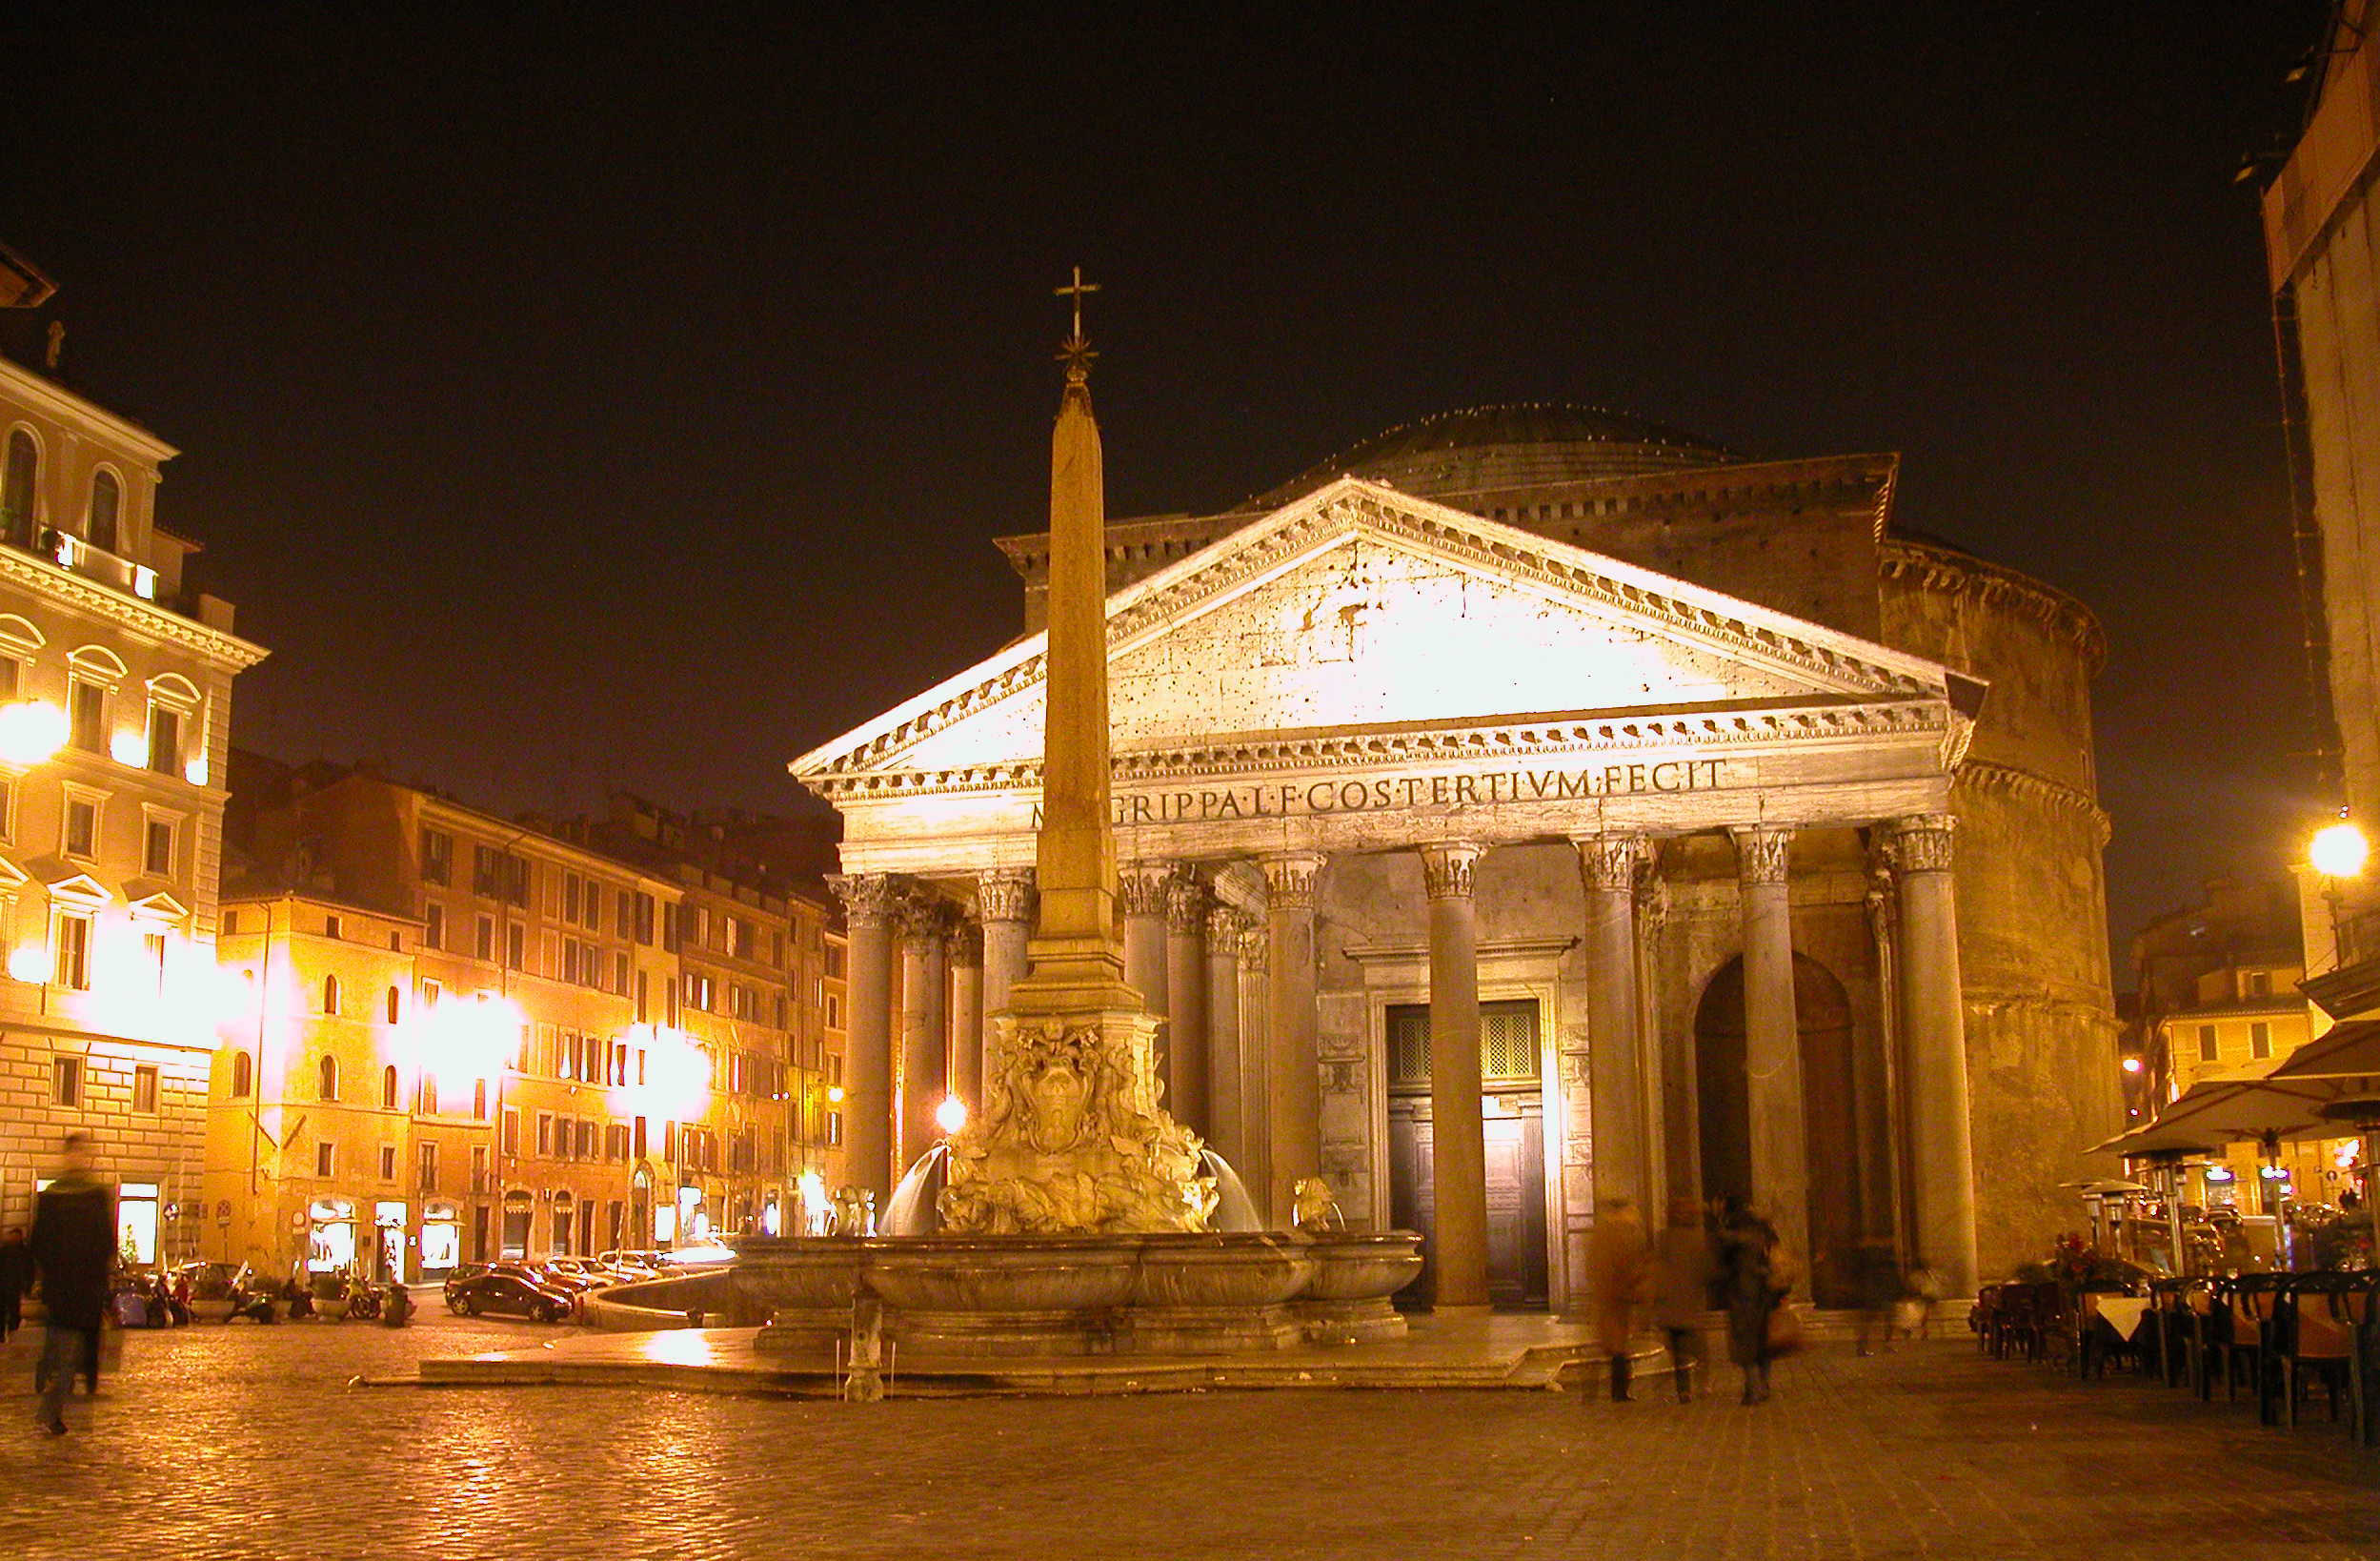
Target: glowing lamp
x,y
951,1115
29,962
834,1094
129,748
196,771
31,731
2131,1064
2338,850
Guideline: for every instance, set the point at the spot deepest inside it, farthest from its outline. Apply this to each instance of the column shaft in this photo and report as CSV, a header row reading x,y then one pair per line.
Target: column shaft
x,y
869,901
1942,1156
1255,1160
924,1044
1142,887
1616,1069
1772,1038
1186,995
1293,1085
966,1015
1005,906
1226,1104
1458,1136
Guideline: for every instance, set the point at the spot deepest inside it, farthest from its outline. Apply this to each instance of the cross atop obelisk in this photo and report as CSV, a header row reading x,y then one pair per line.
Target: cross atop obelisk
x,y
1075,352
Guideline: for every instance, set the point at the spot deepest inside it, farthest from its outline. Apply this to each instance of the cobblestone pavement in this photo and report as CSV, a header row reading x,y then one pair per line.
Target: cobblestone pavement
x,y
235,1441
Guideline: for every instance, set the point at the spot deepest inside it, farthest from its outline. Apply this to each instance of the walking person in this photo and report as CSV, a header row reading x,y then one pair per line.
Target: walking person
x,y
1683,1276
1747,1255
17,1277
1616,1262
73,1243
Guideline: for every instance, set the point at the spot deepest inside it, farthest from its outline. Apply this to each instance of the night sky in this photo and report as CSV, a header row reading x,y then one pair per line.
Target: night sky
x,y
571,404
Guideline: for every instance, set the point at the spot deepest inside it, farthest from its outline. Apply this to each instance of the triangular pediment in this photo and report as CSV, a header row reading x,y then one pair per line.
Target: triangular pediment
x,y
1361,608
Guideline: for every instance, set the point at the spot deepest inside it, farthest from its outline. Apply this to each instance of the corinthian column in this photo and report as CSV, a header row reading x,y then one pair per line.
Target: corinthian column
x,y
870,903
1942,1158
1772,1037
1458,1136
1616,1070
1185,999
1294,1085
1003,900
1142,887
1255,1160
924,1022
966,1013
1226,1104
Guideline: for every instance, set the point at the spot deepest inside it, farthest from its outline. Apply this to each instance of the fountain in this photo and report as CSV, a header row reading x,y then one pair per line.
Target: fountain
x,y
1072,1215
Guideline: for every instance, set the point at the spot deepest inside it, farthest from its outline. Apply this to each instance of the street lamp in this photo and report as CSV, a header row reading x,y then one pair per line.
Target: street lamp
x,y
2337,852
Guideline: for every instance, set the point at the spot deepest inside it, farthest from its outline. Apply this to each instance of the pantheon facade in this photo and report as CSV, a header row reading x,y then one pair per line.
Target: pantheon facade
x,y
1759,833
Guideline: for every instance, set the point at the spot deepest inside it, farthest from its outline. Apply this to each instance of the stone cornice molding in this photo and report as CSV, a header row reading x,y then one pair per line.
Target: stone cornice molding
x,y
123,608
1924,843
1657,604
1981,775
1763,854
1004,894
1942,569
870,899
1186,901
1142,888
1289,880
1608,863
1519,741
1446,869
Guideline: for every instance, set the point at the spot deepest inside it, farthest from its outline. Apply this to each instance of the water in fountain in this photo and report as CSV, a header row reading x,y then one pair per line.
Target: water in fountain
x,y
910,1210
1234,1208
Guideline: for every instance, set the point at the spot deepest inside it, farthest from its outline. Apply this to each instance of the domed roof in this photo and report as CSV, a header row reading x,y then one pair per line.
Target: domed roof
x,y
1512,446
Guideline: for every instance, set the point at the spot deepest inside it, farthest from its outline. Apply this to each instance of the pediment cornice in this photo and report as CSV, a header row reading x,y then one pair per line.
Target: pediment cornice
x,y
1836,664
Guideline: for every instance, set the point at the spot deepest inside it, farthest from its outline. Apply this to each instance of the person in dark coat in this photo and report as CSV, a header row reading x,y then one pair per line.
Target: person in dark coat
x,y
17,1277
73,1243
1748,1250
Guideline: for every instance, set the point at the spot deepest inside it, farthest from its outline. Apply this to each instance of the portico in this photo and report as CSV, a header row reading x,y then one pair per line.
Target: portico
x,y
1373,755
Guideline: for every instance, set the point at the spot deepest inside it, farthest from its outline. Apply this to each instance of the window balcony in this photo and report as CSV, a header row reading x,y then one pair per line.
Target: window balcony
x,y
78,556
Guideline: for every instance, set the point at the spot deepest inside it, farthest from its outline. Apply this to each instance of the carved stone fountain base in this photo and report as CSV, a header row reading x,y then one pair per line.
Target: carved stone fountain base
x,y
1160,1294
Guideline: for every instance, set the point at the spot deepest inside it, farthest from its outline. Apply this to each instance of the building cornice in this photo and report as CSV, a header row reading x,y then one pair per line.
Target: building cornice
x,y
47,396
1983,775
130,611
1935,568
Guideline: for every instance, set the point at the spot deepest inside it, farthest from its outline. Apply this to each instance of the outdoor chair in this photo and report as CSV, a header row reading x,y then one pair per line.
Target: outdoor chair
x,y
2257,1308
2317,1322
2226,1344
2169,1328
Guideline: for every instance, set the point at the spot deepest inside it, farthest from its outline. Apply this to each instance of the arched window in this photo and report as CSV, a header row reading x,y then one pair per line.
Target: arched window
x,y
243,1075
388,1087
106,501
428,1094
394,1000
479,1098
16,489
330,1079
330,994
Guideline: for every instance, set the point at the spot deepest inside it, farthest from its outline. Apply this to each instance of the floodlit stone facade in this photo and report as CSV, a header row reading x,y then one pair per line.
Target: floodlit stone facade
x,y
115,702
1762,834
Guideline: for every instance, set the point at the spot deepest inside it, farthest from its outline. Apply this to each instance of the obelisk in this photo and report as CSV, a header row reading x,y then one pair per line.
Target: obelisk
x,y
1073,1137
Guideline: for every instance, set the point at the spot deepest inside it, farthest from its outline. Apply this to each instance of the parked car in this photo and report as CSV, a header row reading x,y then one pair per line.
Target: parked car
x,y
563,1274
210,1281
507,1294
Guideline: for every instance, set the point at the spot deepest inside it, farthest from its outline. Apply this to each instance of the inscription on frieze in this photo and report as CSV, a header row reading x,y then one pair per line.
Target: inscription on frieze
x,y
1497,788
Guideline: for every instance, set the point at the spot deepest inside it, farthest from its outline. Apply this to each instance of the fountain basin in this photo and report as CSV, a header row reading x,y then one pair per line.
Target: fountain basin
x,y
803,1286
994,1295
1355,1273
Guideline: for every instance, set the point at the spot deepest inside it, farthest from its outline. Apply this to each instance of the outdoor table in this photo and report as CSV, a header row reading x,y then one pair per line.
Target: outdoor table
x,y
2123,1314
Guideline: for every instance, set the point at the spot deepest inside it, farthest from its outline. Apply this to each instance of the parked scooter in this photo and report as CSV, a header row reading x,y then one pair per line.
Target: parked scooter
x,y
363,1301
254,1305
397,1309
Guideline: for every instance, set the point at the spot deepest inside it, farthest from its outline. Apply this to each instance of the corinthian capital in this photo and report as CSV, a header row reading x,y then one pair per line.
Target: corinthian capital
x,y
1289,880
1446,869
1142,887
1610,861
1185,906
1225,926
1004,894
964,942
870,899
925,918
1256,947
1761,854
1922,843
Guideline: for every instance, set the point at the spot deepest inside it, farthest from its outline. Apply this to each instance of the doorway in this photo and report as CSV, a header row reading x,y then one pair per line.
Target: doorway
x,y
1513,1125
1832,1147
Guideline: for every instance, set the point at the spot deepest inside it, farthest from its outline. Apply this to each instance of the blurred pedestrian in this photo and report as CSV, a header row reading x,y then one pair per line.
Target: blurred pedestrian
x,y
1880,1290
17,1277
1683,1274
1749,1262
73,1243
1617,1260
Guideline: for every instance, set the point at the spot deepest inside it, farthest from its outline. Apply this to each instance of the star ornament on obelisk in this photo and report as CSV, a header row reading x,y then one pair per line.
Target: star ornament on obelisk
x,y
1072,1136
